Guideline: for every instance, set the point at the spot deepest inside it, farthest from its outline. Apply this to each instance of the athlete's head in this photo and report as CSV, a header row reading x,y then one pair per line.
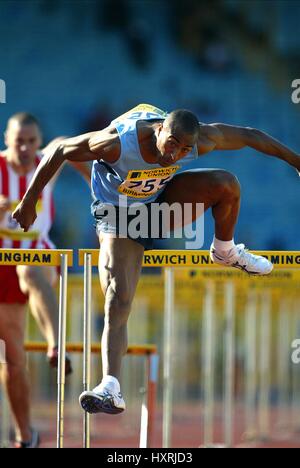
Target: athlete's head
x,y
177,136
23,138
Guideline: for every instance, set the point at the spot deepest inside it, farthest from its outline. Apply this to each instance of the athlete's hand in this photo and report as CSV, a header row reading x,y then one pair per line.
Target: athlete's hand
x,y
25,214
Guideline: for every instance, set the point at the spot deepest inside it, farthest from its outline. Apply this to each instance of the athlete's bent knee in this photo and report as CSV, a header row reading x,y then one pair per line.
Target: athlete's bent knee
x,y
228,184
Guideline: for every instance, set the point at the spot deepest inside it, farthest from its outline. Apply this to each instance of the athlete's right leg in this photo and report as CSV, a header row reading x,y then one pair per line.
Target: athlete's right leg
x,y
12,326
120,262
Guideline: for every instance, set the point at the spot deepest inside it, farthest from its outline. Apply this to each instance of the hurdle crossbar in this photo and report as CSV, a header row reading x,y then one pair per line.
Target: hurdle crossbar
x,y
34,257
137,350
199,258
148,409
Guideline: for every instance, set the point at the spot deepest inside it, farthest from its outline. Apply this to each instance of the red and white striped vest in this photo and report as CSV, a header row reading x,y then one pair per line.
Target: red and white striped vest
x,y
14,187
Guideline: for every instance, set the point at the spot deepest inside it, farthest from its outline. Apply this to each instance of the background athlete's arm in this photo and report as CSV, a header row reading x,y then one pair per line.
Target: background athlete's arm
x,y
83,168
228,137
88,147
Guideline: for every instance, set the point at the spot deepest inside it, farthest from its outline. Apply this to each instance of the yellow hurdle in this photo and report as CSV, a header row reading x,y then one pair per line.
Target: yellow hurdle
x,y
200,261
33,257
168,259
199,258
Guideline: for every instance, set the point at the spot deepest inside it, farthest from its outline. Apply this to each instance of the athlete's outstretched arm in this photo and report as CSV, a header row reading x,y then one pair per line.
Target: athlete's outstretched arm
x,y
229,137
91,146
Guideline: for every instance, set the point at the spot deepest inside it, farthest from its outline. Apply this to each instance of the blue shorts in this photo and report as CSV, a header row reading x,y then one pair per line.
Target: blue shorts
x,y
103,224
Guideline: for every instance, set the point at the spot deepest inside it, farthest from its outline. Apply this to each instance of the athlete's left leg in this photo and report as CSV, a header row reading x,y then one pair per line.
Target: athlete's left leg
x,y
219,190
216,189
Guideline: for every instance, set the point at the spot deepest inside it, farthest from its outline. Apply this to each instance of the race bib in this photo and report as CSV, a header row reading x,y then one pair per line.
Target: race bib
x,y
145,183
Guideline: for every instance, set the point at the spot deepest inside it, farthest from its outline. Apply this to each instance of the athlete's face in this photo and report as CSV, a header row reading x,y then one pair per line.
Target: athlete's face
x,y
23,142
173,146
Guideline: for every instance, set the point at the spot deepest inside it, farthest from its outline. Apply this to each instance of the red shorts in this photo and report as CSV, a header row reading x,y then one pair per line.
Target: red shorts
x,y
10,292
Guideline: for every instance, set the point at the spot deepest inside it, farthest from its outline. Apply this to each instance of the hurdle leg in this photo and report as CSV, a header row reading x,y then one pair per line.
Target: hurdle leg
x,y
87,341
208,363
265,373
250,367
62,349
283,347
168,357
153,366
229,363
144,425
295,373
148,406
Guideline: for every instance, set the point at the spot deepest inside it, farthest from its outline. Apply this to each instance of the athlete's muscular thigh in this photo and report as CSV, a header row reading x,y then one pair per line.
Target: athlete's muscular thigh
x,y
120,262
195,186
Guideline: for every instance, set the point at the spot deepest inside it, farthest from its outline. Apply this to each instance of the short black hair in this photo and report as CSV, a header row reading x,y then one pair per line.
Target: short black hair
x,y
24,118
183,121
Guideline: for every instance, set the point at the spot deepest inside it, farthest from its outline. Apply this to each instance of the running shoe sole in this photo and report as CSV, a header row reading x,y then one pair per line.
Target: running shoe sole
x,y
93,404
